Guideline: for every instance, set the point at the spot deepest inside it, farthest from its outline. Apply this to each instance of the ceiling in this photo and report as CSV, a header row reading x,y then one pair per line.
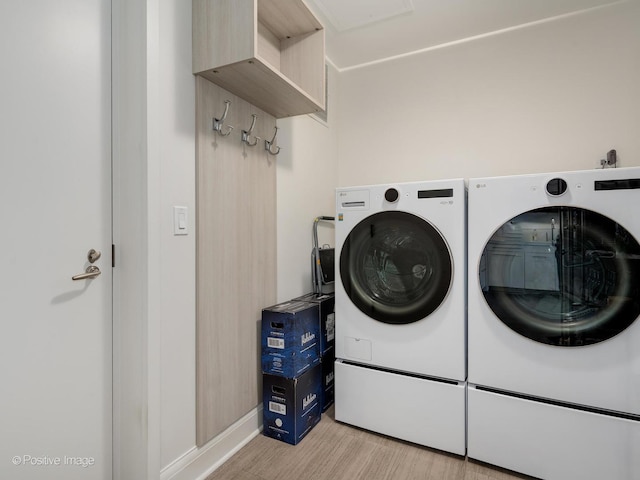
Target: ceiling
x,y
364,31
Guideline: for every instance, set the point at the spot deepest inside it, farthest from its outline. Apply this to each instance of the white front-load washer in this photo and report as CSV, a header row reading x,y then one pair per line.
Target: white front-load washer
x,y
553,334
401,310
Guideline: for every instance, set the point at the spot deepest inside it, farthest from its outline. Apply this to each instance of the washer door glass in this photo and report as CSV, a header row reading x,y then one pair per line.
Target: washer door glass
x,y
562,276
396,267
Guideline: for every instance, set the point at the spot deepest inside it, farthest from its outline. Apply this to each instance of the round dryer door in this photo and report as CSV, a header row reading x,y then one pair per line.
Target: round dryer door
x,y
396,267
562,276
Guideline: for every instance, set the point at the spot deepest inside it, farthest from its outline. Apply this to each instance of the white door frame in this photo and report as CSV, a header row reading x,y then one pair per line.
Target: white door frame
x,y
136,200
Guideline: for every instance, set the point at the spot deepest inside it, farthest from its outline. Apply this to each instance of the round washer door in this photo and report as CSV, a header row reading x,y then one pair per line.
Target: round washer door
x,y
563,276
396,267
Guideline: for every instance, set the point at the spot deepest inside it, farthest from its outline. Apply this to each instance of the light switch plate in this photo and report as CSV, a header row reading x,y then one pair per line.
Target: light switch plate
x,y
180,221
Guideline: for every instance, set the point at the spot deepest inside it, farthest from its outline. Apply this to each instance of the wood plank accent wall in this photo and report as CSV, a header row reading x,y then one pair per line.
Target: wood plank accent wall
x,y
236,258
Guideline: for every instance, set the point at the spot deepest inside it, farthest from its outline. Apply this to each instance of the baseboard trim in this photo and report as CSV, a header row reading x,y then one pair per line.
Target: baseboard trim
x,y
199,463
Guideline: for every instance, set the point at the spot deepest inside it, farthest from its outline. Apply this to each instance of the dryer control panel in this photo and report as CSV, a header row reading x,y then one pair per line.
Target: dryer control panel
x,y
354,199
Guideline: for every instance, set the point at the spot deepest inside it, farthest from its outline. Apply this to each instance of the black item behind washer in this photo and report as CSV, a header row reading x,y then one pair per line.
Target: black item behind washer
x,y
322,260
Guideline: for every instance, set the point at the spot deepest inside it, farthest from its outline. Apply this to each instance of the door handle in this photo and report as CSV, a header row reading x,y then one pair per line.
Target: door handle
x,y
91,272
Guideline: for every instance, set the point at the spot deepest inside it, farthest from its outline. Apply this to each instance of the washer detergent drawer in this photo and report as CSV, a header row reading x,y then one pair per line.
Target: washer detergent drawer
x,y
550,441
417,410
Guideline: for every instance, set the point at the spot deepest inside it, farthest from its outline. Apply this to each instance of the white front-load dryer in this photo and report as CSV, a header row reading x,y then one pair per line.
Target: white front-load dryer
x,y
401,310
554,335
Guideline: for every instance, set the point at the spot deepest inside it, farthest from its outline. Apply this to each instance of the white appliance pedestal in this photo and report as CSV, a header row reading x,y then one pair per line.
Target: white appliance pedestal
x,y
551,441
415,409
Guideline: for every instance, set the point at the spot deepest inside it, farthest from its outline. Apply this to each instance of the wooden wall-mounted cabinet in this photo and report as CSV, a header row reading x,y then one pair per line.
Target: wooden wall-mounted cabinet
x,y
268,52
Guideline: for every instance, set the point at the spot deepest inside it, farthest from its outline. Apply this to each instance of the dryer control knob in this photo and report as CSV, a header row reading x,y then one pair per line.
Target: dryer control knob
x,y
391,195
556,187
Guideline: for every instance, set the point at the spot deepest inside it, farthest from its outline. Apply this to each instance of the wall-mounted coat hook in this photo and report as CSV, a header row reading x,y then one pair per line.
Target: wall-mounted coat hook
x,y
218,123
611,160
269,144
247,133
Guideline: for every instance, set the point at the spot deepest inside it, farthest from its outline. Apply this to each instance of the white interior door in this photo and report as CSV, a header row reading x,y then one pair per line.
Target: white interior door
x,y
55,202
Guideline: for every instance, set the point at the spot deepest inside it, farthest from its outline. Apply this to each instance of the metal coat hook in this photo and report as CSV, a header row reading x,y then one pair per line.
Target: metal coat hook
x,y
247,133
611,160
218,123
269,144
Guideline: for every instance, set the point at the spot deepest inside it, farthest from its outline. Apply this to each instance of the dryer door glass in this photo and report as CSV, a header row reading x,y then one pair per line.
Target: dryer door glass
x,y
396,267
562,276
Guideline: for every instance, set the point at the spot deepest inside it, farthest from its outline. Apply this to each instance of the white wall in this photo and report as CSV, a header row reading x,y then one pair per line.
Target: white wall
x,y
307,176
549,97
176,115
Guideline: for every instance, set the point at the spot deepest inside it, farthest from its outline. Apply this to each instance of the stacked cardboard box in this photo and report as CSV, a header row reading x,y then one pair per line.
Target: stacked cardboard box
x,y
326,312
292,382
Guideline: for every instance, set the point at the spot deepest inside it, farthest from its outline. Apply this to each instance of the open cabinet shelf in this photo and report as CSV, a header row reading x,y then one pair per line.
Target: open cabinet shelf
x,y
268,52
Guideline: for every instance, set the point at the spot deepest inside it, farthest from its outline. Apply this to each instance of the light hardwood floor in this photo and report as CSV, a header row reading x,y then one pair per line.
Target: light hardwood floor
x,y
335,451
